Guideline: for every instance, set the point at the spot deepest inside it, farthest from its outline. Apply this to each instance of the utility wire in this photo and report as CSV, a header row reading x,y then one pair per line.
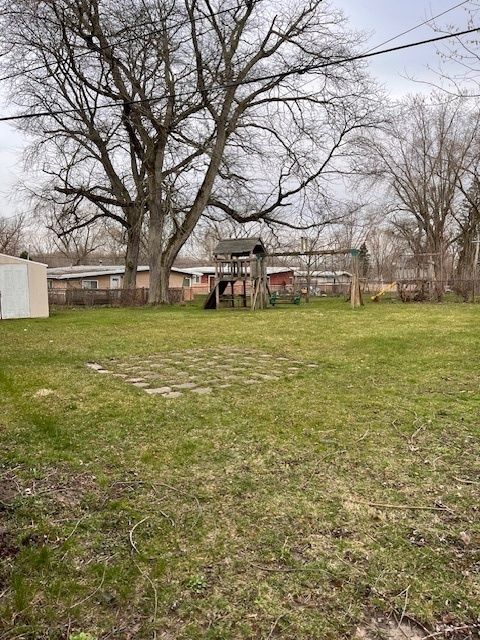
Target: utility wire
x,y
360,56
417,26
204,17
297,71
399,35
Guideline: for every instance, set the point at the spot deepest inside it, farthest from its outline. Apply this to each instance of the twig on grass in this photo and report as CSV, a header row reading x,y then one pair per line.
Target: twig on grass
x,y
153,485
181,491
413,621
415,433
155,598
274,626
290,569
72,531
465,627
91,595
130,534
317,466
362,437
406,592
407,507
465,481
167,517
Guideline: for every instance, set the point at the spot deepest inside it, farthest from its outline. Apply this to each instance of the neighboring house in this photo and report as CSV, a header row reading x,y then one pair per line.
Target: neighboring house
x,y
283,277
23,288
108,277
324,282
202,279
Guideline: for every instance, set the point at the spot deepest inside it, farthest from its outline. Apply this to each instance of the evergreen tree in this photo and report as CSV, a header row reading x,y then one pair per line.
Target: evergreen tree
x,y
364,261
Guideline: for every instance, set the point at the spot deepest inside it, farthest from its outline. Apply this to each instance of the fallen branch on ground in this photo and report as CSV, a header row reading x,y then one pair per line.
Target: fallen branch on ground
x,y
407,507
465,627
274,626
130,535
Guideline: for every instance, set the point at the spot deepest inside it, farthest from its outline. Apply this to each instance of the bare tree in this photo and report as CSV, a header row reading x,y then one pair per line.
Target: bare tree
x,y
386,249
167,109
12,234
423,159
78,244
468,219
458,73
314,241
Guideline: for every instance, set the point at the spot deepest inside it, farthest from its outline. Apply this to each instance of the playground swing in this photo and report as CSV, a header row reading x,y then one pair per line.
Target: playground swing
x,y
277,298
241,275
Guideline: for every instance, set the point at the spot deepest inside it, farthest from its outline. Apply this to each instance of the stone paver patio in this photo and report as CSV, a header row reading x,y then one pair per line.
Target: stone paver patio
x,y
199,371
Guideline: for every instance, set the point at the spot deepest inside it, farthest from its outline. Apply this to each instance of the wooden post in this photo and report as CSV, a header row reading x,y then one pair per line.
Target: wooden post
x,y
250,266
217,286
261,280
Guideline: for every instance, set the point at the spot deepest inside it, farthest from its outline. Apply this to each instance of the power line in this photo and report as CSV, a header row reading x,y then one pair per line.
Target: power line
x,y
237,83
360,56
204,17
417,26
399,35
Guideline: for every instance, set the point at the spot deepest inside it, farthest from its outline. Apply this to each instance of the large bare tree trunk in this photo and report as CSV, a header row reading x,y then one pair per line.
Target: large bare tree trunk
x,y
465,269
159,281
131,257
160,262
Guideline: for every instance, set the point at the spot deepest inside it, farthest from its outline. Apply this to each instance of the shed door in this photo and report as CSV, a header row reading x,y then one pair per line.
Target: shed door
x,y
14,302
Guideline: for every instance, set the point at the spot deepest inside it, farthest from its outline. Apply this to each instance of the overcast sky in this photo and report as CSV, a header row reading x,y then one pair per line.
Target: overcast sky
x,y
380,19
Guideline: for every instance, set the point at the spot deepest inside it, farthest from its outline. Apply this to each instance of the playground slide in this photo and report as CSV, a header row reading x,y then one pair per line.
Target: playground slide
x,y
211,301
385,290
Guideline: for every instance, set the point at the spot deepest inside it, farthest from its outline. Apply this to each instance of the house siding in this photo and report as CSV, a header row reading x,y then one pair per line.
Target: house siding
x,y
103,280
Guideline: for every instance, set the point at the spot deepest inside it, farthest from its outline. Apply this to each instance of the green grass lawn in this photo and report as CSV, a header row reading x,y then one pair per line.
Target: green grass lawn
x,y
298,508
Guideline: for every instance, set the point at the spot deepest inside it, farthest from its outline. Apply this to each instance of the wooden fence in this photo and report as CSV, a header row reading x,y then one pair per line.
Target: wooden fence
x,y
110,297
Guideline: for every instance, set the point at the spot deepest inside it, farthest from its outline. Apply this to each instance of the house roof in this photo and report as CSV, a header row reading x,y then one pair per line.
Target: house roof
x,y
7,255
198,271
273,270
324,274
89,271
240,247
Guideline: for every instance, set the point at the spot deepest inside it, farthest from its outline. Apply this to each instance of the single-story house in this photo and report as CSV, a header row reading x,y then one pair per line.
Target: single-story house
x,y
23,288
324,282
108,277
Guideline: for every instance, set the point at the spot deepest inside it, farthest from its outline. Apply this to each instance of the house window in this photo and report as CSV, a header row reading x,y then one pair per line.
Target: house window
x,y
197,279
89,284
187,282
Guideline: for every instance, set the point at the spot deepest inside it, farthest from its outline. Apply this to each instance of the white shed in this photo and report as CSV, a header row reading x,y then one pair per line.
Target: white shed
x,y
23,288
